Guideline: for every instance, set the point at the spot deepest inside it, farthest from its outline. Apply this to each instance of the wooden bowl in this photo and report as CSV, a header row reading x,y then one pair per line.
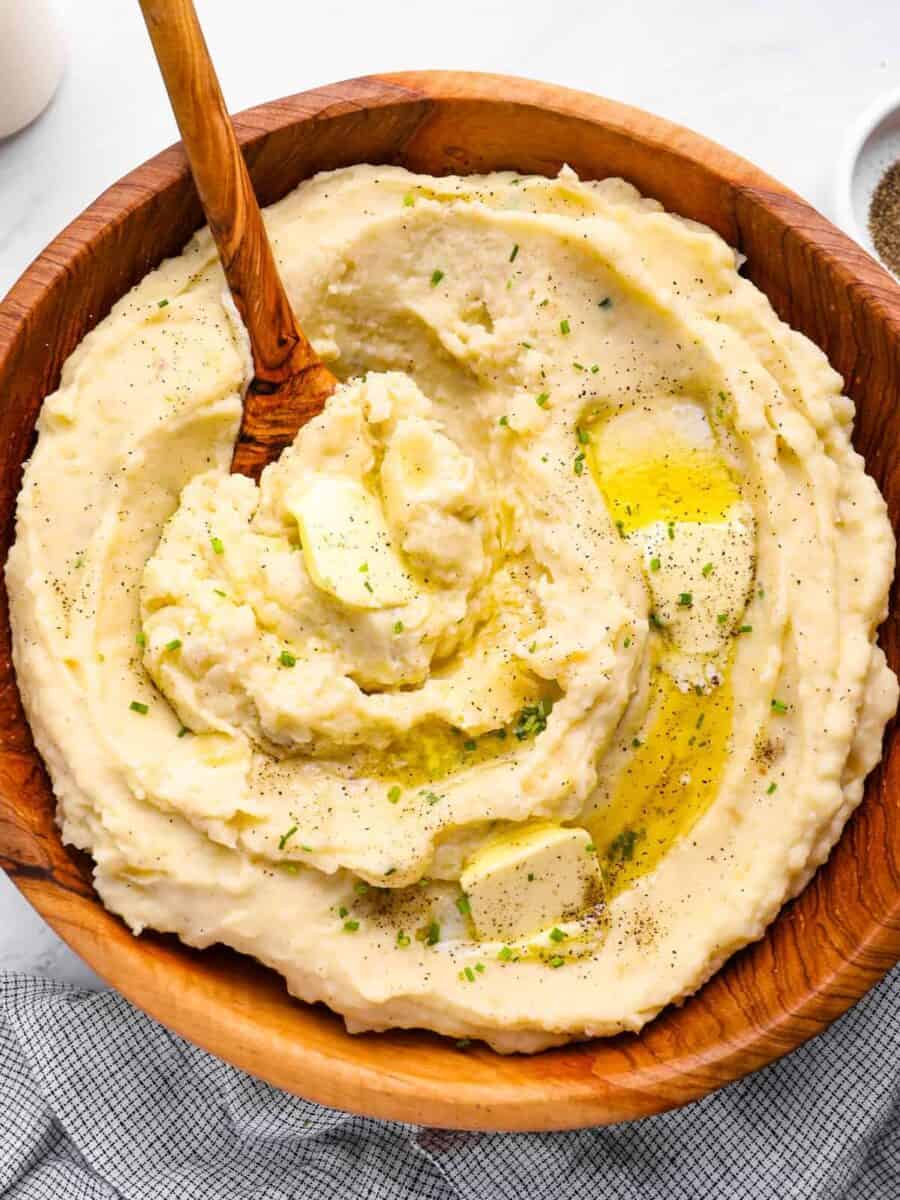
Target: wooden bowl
x,y
824,950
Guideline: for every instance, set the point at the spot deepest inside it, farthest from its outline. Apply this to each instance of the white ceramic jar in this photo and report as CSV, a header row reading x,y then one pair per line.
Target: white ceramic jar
x,y
31,61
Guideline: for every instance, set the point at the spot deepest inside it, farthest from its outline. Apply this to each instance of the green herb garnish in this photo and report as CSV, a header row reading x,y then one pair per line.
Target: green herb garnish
x,y
286,837
138,707
287,659
436,277
532,720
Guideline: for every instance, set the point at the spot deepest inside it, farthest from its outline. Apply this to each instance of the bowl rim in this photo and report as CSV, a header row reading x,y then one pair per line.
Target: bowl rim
x,y
489,1094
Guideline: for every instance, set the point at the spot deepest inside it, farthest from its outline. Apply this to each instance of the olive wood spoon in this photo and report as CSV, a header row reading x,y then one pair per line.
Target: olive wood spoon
x,y
290,383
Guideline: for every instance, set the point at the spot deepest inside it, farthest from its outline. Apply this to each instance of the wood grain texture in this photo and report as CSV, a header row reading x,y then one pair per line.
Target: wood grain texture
x,y
290,383
825,949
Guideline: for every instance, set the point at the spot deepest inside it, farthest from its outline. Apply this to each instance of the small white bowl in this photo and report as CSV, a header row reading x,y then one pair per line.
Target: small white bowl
x,y
873,144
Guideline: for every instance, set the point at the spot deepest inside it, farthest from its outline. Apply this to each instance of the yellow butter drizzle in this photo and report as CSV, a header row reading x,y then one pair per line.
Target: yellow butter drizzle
x,y
673,482
671,778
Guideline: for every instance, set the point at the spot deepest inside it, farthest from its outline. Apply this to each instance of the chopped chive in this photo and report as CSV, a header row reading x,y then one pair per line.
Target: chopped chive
x,y
578,366
433,935
635,743
578,465
556,961
779,706
286,837
183,731
363,567
138,707
469,974
394,794
557,934
175,644
590,848
707,569
771,788
343,910
620,525
217,545
403,939
351,926
655,621
287,659
504,421
436,277
541,400
141,638
514,252
398,627
606,302
655,564
685,599
462,903
368,586
409,200
564,327
308,849
722,618
594,369
505,954
745,629
470,744
163,304
218,591
671,531
360,887
582,435
627,642
723,397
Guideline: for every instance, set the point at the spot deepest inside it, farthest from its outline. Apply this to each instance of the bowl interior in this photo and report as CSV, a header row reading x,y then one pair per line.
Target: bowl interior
x,y
824,950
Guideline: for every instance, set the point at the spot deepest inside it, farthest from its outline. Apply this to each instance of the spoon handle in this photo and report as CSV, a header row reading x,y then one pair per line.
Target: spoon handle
x,y
291,384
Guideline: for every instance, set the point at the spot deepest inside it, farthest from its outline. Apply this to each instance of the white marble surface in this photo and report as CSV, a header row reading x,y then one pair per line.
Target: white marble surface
x,y
779,81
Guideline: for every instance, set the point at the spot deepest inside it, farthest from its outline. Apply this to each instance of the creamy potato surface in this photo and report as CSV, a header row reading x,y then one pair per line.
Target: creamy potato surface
x,y
536,674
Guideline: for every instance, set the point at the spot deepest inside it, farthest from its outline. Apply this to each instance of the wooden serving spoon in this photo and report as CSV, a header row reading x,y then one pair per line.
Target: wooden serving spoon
x,y
290,383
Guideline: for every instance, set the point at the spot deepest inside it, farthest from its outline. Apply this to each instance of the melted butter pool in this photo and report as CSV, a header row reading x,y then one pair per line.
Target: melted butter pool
x,y
668,782
662,466
671,493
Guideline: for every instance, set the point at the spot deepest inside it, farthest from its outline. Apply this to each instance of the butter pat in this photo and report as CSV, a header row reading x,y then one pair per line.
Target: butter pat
x,y
347,547
531,879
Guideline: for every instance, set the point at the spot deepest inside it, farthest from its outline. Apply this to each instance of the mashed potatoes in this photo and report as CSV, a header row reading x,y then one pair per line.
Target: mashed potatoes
x,y
538,672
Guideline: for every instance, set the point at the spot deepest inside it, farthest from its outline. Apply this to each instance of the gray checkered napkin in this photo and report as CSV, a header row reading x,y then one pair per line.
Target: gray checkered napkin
x,y
98,1101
